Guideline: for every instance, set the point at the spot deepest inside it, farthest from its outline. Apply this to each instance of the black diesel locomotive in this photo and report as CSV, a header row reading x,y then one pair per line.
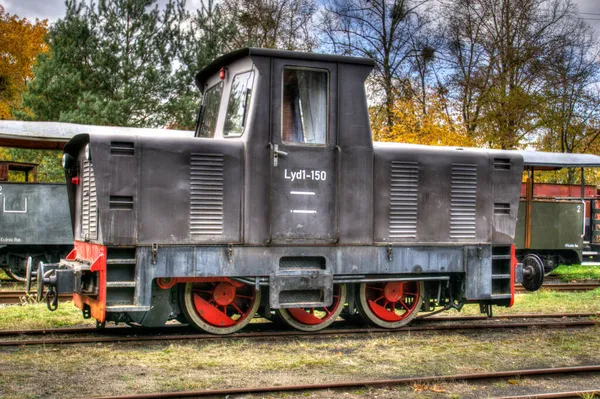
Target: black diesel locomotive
x,y
283,203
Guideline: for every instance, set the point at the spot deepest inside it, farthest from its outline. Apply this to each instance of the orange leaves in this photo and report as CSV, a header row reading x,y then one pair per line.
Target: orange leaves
x,y
21,41
415,124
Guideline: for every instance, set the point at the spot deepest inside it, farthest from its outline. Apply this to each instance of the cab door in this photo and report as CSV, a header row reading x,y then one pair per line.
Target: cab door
x,y
304,154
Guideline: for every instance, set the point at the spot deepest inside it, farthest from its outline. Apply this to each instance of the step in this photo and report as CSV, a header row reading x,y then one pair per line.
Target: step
x,y
120,284
121,261
494,257
501,296
590,263
590,253
127,308
500,276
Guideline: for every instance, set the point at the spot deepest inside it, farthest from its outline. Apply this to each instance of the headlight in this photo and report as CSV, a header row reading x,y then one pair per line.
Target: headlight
x,y
88,155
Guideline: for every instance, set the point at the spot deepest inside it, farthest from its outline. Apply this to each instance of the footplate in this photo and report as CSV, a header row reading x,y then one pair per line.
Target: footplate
x,y
295,289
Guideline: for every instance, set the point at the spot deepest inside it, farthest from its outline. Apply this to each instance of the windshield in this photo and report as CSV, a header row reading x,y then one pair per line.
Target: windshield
x,y
210,111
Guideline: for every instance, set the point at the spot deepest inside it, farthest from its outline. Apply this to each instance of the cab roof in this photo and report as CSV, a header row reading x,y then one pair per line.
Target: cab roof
x,y
228,58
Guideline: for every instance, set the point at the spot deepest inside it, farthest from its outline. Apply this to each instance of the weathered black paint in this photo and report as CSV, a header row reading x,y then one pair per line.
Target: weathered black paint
x,y
385,209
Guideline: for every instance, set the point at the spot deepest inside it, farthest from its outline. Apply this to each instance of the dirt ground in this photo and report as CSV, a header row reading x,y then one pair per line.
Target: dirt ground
x,y
111,369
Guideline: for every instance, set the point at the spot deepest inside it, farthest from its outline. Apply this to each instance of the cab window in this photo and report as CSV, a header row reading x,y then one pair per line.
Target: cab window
x,y
210,111
239,101
304,106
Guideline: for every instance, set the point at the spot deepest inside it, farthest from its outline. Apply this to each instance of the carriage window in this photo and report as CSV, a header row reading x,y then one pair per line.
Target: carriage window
x,y
239,101
210,111
304,106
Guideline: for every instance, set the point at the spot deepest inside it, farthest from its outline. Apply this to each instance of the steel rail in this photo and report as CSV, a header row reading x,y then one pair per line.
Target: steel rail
x,y
362,383
555,395
184,327
294,333
564,287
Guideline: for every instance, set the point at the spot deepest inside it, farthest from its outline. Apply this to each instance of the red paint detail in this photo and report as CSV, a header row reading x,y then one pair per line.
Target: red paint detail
x,y
393,291
168,282
309,318
382,312
224,294
72,255
222,73
305,317
75,180
165,283
513,266
96,255
211,314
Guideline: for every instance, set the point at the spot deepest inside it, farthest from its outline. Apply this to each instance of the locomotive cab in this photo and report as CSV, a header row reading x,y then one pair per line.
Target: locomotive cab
x,y
281,203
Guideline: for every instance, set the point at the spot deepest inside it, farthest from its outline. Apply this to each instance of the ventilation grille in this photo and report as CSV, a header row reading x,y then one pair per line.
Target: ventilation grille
x,y
89,203
120,202
463,205
502,163
122,148
206,191
404,186
501,208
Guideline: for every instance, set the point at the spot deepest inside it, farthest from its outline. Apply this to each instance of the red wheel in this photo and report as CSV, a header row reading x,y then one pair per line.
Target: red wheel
x,y
315,319
221,307
390,305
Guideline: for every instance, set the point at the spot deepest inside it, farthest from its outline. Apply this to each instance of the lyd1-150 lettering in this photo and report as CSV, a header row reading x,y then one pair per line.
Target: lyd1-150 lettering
x,y
303,174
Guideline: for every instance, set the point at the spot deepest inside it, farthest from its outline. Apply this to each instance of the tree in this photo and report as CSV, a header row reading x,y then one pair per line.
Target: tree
x,y
498,51
113,63
434,127
282,24
20,44
383,30
571,116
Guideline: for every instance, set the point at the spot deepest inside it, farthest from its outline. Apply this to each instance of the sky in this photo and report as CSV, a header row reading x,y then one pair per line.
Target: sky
x,y
54,9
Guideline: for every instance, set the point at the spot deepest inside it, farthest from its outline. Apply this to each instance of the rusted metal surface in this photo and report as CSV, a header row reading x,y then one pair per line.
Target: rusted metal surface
x,y
566,287
277,334
556,395
363,383
172,328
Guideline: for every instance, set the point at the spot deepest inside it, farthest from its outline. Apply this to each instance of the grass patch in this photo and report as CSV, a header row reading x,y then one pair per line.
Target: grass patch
x,y
120,368
577,272
4,276
546,301
37,315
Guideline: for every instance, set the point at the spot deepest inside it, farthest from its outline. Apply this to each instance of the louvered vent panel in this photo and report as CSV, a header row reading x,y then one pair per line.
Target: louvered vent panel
x,y
89,203
206,190
463,205
404,186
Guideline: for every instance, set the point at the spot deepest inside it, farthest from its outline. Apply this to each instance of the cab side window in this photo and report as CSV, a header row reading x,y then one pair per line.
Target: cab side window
x,y
304,106
210,111
239,101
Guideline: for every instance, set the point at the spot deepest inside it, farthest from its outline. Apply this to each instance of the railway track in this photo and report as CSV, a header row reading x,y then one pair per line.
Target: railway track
x,y
564,287
120,334
377,384
16,297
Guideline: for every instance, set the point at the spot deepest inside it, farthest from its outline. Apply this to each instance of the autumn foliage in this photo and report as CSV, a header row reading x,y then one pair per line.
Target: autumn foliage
x,y
21,41
415,124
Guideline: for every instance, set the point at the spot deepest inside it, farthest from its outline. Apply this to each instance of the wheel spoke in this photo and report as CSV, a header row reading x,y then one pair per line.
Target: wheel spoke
x,y
236,308
405,307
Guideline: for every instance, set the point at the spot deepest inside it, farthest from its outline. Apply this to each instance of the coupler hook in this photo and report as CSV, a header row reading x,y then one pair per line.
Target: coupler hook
x,y
51,299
